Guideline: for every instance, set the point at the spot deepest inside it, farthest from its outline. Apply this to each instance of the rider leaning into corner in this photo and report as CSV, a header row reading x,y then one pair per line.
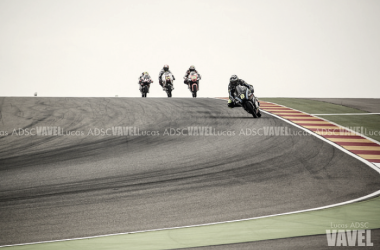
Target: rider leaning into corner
x,y
235,81
191,69
165,69
141,78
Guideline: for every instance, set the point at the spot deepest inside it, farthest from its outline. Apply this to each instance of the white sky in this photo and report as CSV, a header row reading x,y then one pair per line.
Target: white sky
x,y
284,48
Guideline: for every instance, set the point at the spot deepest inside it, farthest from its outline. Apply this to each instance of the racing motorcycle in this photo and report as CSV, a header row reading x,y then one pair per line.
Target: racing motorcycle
x,y
246,98
193,81
146,81
167,83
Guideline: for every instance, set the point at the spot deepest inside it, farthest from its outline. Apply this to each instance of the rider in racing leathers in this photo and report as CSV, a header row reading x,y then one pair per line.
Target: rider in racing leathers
x,y
191,69
141,78
235,81
165,69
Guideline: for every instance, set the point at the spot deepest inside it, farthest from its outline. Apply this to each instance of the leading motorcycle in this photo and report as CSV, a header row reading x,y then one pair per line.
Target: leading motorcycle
x,y
246,98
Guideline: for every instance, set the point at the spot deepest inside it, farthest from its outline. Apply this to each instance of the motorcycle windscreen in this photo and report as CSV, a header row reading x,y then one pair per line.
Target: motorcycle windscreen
x,y
167,76
240,90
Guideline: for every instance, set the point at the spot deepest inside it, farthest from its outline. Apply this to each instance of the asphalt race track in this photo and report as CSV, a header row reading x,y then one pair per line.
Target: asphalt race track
x,y
57,187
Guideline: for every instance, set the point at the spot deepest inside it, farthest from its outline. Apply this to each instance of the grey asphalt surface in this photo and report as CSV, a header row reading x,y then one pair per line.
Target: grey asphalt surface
x,y
57,187
371,105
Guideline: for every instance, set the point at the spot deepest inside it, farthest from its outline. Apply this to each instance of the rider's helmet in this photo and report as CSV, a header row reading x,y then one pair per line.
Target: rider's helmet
x,y
166,67
234,79
146,73
192,68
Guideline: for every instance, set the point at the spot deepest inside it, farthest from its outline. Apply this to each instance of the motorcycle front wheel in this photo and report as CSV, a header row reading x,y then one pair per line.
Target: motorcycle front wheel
x,y
251,109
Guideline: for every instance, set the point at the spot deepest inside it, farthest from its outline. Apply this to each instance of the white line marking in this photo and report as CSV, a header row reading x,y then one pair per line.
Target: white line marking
x,y
373,166
319,136
328,141
350,114
323,138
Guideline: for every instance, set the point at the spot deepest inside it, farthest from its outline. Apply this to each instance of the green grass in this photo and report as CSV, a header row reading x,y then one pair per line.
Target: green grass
x,y
284,226
312,106
370,123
